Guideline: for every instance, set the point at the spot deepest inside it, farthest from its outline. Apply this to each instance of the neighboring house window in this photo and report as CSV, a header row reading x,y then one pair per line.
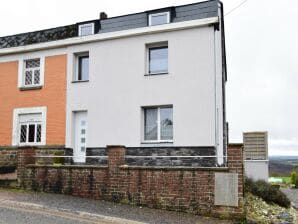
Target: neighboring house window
x,y
82,67
158,123
29,126
31,73
159,18
86,29
157,59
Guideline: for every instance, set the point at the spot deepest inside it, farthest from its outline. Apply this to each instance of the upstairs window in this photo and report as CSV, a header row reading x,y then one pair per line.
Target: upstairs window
x,y
86,29
158,123
31,75
157,59
82,67
159,18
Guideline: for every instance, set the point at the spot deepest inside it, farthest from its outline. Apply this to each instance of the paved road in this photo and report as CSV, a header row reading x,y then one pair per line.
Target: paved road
x,y
14,212
27,207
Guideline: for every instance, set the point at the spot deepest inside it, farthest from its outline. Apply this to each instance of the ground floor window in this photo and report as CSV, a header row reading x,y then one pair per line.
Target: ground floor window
x,y
29,126
158,123
30,129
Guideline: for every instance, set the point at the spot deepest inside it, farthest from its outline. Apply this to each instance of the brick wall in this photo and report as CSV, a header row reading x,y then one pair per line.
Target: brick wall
x,y
188,189
54,88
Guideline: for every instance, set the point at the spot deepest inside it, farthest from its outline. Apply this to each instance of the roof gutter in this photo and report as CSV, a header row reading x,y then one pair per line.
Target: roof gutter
x,y
110,36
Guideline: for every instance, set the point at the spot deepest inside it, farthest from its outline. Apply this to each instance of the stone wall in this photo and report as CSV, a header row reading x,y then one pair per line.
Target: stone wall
x,y
8,159
134,156
154,156
41,154
188,189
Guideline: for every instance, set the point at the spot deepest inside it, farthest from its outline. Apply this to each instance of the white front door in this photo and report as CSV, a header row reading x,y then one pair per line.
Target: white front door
x,y
80,136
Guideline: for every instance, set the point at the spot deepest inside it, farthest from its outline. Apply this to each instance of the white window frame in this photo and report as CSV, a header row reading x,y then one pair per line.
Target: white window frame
x,y
159,14
163,44
158,124
27,124
83,25
16,125
21,73
76,66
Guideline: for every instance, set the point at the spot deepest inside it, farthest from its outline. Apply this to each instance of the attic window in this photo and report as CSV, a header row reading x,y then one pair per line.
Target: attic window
x,y
159,18
86,29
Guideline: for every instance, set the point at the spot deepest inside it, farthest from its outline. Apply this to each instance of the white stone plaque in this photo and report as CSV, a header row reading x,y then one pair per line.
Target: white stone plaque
x,y
226,189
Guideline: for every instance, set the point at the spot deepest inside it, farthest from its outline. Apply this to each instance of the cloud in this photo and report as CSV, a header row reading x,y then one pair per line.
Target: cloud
x,y
262,86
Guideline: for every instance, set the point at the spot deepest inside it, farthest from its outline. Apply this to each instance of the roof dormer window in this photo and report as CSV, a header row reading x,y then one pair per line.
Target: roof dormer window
x,y
159,18
86,29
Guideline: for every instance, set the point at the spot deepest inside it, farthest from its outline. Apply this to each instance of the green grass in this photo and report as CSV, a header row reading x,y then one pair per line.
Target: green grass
x,y
286,180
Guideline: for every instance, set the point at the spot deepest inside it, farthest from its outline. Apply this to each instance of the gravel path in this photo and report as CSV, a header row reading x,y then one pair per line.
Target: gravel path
x,y
292,195
102,208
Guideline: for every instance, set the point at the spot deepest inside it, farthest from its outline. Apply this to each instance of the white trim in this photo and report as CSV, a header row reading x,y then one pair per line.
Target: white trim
x,y
159,14
111,35
158,140
77,55
164,44
21,71
86,24
29,110
254,160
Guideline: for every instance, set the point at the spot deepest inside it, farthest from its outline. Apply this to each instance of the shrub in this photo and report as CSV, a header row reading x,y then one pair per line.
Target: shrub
x,y
58,160
294,179
267,192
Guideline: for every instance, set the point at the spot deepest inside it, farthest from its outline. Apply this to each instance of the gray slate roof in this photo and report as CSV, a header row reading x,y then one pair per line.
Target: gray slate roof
x,y
180,13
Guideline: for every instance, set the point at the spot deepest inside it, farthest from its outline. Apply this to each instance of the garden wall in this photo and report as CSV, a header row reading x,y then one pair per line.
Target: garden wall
x,y
8,159
214,191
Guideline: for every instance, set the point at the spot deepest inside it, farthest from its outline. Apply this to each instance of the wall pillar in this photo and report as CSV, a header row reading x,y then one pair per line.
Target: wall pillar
x,y
236,165
25,156
116,158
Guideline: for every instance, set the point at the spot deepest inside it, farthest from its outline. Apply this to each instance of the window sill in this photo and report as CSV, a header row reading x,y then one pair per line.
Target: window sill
x,y
24,88
80,81
30,144
157,142
160,73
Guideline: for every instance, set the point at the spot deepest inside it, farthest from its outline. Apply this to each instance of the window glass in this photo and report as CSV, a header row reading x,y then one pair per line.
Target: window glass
x,y
166,123
159,18
158,60
86,29
38,133
83,73
150,124
31,72
23,133
31,134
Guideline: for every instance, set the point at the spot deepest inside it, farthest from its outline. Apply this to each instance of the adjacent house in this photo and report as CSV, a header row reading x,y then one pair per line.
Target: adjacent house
x,y
150,79
256,160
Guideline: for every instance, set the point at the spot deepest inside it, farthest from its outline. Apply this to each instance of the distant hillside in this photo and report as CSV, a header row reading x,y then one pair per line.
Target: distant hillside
x,y
282,165
283,158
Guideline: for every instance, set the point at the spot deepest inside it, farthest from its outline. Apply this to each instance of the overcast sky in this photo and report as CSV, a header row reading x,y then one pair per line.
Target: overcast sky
x,y
262,55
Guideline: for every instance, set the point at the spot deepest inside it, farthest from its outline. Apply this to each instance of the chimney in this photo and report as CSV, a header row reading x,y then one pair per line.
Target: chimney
x,y
103,15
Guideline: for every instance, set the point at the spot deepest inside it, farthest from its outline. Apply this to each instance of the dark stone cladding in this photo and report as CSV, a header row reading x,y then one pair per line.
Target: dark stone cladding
x,y
23,39
96,152
171,161
158,151
193,11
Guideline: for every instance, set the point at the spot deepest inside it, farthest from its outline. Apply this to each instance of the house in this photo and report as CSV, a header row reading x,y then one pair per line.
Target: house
x,y
256,162
150,79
